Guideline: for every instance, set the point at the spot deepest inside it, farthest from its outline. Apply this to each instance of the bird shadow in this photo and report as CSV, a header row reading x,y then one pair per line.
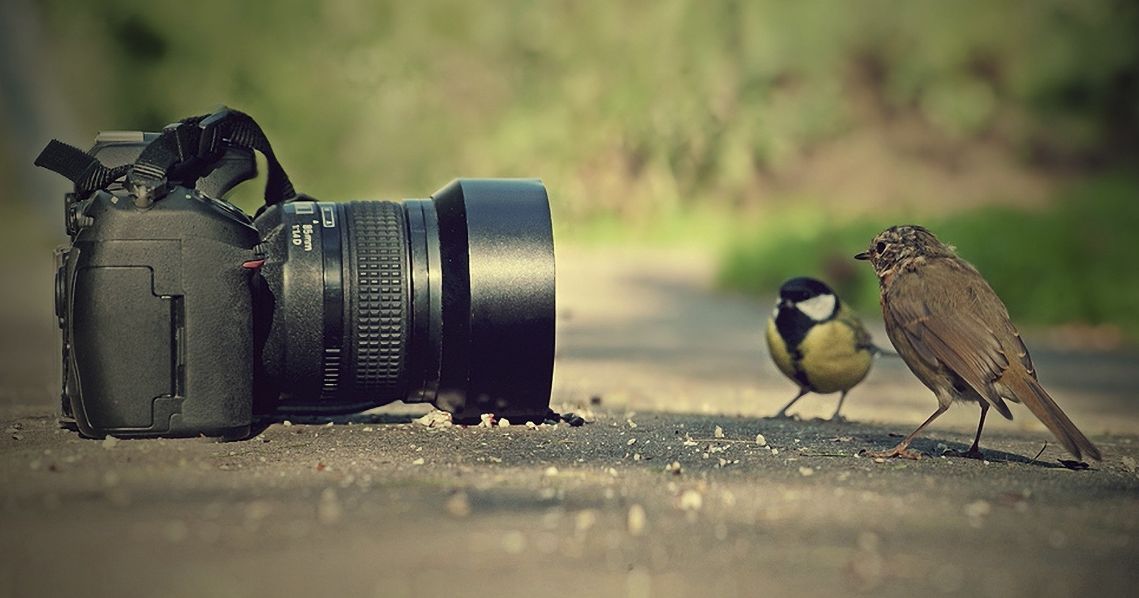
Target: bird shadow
x,y
932,447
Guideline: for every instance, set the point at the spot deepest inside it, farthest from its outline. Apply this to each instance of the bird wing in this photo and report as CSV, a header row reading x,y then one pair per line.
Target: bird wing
x,y
945,330
862,338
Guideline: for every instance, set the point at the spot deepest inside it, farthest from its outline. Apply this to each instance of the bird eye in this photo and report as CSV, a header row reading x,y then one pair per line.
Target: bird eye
x,y
880,247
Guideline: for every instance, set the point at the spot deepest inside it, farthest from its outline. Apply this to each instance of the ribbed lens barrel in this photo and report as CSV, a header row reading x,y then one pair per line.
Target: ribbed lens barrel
x,y
448,300
376,290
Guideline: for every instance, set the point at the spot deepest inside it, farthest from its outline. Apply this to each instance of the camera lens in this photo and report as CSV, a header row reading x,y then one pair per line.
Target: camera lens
x,y
447,300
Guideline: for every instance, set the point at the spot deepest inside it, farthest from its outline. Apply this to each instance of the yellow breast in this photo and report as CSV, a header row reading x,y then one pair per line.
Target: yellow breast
x,y
832,359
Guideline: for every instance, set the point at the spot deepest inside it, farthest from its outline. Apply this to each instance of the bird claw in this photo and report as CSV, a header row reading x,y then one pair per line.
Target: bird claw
x,y
973,453
894,453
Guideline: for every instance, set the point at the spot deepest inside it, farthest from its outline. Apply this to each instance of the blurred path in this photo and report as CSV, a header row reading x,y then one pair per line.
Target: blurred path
x,y
644,329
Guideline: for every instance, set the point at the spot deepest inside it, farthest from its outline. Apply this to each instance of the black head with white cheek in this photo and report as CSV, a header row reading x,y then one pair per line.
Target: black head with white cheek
x,y
803,303
807,297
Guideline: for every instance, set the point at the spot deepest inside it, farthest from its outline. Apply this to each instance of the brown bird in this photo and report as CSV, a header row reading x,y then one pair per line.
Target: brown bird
x,y
954,333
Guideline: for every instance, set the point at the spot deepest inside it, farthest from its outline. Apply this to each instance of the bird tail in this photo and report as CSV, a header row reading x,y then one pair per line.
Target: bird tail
x,y
1033,395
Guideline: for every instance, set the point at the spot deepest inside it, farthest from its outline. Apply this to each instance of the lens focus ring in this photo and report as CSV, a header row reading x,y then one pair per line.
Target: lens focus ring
x,y
378,304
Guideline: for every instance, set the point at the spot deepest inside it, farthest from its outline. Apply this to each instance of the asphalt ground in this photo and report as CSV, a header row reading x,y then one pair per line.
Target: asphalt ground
x,y
665,492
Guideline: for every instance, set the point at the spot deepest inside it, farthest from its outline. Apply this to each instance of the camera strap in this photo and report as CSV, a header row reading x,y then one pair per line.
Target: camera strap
x,y
183,153
79,167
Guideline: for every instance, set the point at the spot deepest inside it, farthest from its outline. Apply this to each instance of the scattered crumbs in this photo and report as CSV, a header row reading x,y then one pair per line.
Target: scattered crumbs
x,y
774,451
760,440
806,471
631,442
504,423
287,423
719,432
110,442
673,468
418,461
435,419
1129,464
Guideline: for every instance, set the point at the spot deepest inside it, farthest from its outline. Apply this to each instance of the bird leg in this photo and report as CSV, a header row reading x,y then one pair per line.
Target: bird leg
x,y
974,451
836,417
903,450
783,412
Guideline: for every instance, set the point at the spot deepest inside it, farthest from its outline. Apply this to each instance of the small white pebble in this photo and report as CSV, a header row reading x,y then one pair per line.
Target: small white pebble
x,y
504,423
631,442
418,461
369,429
760,440
286,423
514,542
719,432
551,471
110,442
691,500
531,425
806,472
978,508
459,505
636,456
1129,464
774,451
636,520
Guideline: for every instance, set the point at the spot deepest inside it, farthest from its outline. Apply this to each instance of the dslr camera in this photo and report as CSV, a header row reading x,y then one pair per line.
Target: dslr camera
x,y
183,316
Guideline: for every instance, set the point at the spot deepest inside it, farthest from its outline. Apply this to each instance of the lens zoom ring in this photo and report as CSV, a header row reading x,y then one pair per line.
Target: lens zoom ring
x,y
379,287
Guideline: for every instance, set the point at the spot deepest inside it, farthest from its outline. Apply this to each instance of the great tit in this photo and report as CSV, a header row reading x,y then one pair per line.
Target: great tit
x,y
817,342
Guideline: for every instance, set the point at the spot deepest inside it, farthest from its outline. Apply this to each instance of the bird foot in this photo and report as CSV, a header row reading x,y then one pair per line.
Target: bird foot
x,y
838,419
783,416
973,453
896,452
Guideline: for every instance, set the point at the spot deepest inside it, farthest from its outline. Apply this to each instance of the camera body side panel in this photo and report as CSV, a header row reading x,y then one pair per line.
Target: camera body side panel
x,y
158,334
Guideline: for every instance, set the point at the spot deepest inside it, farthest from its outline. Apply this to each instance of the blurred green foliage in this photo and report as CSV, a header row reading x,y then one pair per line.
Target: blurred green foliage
x,y
713,122
1072,262
629,110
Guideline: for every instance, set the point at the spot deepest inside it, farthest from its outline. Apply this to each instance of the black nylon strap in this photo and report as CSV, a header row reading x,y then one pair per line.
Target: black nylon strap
x,y
183,153
187,150
77,166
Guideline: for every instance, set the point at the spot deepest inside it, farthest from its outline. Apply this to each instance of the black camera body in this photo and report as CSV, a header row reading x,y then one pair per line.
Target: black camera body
x,y
183,316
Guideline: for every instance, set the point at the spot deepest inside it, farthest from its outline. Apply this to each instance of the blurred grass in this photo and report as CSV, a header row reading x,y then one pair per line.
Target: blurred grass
x,y
631,111
1073,261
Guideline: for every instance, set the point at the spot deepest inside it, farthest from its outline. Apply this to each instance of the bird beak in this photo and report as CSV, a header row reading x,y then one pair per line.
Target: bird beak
x,y
865,255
